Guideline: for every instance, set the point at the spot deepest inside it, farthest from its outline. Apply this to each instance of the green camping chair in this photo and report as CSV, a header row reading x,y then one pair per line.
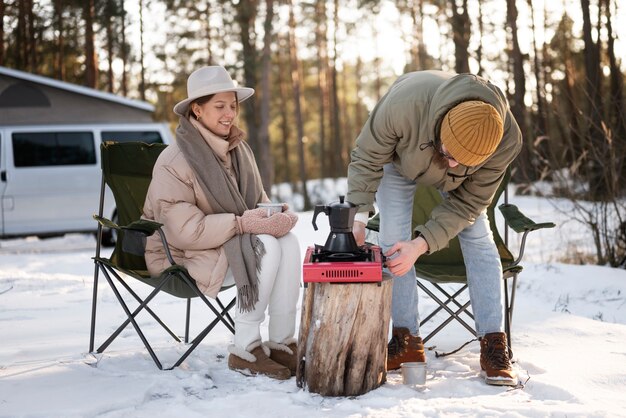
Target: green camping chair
x,y
127,171
447,265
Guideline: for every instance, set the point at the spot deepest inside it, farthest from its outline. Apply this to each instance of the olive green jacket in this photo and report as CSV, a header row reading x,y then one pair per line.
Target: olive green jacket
x,y
401,130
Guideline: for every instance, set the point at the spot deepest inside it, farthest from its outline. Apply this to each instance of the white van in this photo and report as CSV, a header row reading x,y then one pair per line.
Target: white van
x,y
50,175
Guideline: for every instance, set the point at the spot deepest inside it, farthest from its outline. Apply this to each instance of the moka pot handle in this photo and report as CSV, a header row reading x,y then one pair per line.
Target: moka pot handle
x,y
318,209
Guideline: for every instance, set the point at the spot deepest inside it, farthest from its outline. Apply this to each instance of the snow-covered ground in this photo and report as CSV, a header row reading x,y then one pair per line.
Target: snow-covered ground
x,y
569,334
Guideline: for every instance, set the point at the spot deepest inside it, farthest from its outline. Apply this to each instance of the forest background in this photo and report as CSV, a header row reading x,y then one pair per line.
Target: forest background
x,y
319,67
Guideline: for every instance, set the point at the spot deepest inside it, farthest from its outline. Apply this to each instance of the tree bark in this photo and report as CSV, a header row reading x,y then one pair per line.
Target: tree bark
x,y
617,120
264,156
109,39
124,50
283,86
540,127
296,86
60,52
2,33
461,36
596,138
322,81
516,99
338,165
142,75
91,61
481,33
32,40
342,347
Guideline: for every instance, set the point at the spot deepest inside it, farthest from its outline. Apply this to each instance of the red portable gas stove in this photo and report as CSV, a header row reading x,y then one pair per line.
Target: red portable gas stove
x,y
341,260
364,265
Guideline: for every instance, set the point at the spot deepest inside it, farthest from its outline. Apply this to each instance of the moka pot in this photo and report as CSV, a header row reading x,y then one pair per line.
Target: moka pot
x,y
340,217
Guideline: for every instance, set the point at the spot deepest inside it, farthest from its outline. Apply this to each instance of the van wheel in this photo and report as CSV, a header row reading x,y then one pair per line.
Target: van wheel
x,y
109,236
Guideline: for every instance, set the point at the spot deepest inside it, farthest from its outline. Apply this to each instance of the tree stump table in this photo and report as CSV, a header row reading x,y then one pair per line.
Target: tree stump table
x,y
342,347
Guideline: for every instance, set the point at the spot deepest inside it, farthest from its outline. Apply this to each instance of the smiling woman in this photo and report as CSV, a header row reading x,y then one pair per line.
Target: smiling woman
x,y
204,190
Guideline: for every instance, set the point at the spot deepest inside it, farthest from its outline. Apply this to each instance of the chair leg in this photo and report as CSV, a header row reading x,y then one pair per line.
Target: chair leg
x,y
221,316
142,305
92,333
203,334
187,319
508,309
450,298
131,318
227,314
453,314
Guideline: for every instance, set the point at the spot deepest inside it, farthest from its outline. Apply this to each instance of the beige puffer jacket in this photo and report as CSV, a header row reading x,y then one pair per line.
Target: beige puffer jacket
x,y
401,130
194,232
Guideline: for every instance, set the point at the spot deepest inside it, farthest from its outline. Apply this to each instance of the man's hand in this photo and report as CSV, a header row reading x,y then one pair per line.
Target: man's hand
x,y
406,253
358,230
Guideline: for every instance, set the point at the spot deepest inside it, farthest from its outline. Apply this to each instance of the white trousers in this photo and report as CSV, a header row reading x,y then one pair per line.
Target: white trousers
x,y
279,287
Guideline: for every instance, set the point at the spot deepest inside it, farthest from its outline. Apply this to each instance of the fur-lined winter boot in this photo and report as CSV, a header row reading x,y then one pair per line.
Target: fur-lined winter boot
x,y
255,360
285,353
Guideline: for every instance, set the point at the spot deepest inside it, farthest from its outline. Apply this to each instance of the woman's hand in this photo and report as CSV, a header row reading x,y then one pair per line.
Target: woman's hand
x,y
256,221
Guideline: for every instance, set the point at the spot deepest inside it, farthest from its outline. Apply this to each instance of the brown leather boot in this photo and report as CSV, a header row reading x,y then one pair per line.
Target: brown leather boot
x,y
285,354
403,348
255,360
494,360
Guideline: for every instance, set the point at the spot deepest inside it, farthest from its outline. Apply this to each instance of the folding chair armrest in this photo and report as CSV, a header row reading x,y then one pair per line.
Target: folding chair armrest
x,y
144,226
519,222
107,223
373,224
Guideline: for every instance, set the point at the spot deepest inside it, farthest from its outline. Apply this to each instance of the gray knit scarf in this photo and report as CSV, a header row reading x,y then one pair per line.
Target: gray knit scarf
x,y
243,252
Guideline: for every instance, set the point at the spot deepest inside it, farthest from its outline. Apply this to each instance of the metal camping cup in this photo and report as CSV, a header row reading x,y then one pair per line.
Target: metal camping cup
x,y
413,373
272,208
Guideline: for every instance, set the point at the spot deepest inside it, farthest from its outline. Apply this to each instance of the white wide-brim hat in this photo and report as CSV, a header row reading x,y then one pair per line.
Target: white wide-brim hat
x,y
210,80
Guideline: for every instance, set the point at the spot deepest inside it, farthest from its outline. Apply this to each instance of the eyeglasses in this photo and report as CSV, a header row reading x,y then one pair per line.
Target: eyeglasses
x,y
445,154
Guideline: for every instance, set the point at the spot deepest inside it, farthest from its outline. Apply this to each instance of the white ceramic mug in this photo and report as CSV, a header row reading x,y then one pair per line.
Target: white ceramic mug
x,y
272,208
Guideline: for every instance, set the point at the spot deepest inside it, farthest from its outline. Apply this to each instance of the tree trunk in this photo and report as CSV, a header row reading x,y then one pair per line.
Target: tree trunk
x,y
60,51
322,81
32,40
2,33
91,61
109,35
246,17
540,127
142,76
209,35
124,51
296,85
283,86
264,156
336,151
516,99
481,33
596,138
461,36
342,344
358,106
20,37
617,120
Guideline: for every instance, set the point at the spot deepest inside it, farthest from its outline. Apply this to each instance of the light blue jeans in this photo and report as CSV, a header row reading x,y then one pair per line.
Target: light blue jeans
x,y
484,271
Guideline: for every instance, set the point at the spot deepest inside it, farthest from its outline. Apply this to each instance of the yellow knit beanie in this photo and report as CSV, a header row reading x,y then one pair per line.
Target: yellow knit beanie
x,y
471,132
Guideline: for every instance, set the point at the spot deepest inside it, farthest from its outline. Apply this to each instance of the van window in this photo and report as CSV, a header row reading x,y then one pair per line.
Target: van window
x,y
149,137
34,149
